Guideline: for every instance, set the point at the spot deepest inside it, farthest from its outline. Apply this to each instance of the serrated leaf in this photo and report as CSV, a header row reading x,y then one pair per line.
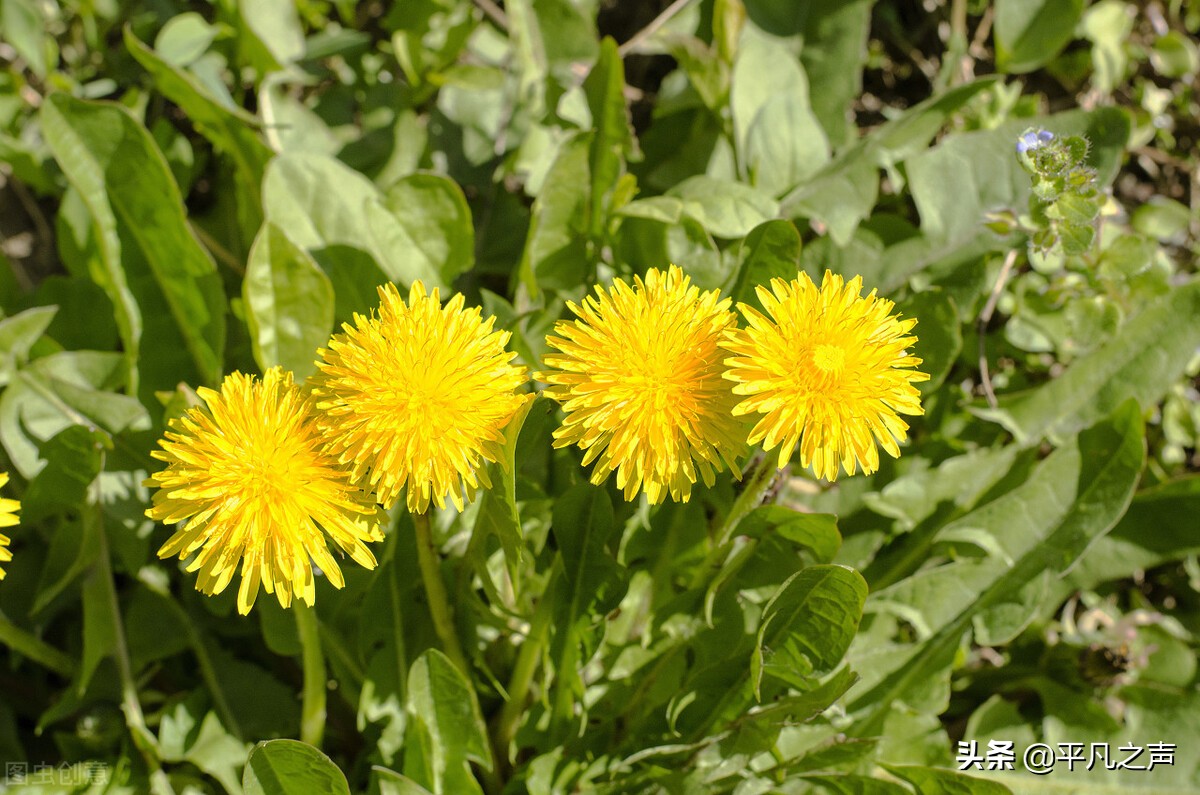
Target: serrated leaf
x,y
1073,497
147,247
582,524
808,624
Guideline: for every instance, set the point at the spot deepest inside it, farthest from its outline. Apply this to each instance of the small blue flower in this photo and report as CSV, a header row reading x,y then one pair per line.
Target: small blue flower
x,y
1033,140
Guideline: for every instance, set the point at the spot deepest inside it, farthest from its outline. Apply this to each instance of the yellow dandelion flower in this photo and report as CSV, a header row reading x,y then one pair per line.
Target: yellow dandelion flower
x,y
418,396
640,380
8,518
248,478
828,370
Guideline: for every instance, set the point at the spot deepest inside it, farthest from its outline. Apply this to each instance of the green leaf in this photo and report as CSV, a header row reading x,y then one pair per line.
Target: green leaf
x,y
147,247
556,251
231,130
770,251
1072,498
498,513
835,35
612,139
1029,33
289,303
931,781
1157,528
778,138
24,27
765,69
339,217
582,524
938,332
433,211
845,784
18,335
808,624
796,708
447,727
73,460
72,553
1175,55
726,209
275,26
63,389
843,193
184,38
814,531
786,145
1161,218
1141,362
206,745
290,767
429,36
392,783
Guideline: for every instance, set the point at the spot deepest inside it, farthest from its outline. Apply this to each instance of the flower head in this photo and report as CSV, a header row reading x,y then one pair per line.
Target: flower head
x,y
248,477
639,375
418,396
8,518
1033,139
828,370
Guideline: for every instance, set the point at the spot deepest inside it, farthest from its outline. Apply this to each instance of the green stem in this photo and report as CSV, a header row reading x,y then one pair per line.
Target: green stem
x,y
395,591
107,601
207,671
435,589
34,648
526,666
336,646
312,711
757,485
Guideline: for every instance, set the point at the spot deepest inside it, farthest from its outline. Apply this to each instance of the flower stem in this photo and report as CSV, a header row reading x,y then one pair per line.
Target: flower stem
x,y
757,485
312,710
100,590
435,589
759,482
524,669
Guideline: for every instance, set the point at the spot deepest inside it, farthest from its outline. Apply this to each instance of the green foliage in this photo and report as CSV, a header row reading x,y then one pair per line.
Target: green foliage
x,y
192,189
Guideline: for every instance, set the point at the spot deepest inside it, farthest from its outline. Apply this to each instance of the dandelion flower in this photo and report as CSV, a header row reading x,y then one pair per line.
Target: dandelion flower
x,y
828,370
250,481
639,376
8,518
418,397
